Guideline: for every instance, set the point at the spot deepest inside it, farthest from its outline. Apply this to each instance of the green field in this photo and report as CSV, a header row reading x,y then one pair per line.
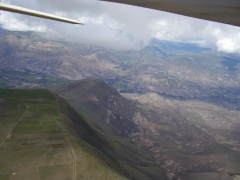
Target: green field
x,y
25,79
37,142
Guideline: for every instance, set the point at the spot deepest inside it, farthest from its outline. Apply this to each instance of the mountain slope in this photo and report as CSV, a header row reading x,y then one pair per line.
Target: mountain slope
x,y
177,145
39,140
89,98
94,95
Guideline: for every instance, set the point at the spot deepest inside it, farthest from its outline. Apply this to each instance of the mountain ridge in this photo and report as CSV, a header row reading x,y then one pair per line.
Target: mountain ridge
x,y
178,144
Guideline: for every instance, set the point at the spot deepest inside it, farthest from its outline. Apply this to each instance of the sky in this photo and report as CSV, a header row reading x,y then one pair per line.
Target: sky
x,y
120,26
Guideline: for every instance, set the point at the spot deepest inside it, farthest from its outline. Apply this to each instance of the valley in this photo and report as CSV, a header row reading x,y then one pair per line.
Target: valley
x,y
27,79
172,69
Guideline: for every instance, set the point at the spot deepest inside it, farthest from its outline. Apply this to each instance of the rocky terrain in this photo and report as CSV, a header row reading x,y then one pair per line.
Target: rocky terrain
x,y
185,137
220,123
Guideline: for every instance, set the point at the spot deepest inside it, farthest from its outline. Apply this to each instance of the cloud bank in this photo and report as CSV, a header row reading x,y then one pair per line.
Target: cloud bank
x,y
121,26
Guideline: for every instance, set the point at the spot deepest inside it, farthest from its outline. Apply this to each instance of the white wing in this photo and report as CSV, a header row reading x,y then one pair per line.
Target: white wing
x,y
16,9
223,11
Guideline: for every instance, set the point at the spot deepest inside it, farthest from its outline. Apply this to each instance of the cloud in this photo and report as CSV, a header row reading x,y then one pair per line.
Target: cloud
x,y
122,26
229,45
13,23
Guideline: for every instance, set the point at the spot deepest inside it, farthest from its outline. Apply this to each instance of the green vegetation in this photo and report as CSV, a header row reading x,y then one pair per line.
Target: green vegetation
x,y
37,140
58,171
16,79
36,128
120,83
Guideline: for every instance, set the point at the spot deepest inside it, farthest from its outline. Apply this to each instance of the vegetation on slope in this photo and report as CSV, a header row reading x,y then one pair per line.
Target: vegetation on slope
x,y
37,140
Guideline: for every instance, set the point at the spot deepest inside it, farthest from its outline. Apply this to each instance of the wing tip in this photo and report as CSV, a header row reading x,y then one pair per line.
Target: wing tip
x,y
16,9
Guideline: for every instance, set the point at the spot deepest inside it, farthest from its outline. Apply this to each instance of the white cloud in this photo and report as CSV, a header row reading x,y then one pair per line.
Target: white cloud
x,y
122,26
12,23
229,45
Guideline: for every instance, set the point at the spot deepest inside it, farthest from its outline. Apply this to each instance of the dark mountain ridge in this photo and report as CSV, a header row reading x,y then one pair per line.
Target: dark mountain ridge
x,y
97,96
178,145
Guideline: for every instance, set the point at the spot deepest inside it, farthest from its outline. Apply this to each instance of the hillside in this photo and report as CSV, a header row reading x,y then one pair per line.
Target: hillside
x,y
42,137
176,139
94,95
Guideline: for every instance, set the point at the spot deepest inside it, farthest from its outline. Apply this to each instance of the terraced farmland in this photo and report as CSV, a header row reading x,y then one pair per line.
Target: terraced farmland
x,y
36,141
33,146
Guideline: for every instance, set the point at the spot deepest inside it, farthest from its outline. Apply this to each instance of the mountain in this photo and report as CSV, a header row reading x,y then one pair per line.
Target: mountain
x,y
168,48
177,141
173,69
42,137
20,51
109,107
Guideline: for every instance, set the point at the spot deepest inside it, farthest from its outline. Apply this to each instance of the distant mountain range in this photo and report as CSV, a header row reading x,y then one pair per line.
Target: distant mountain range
x,y
173,69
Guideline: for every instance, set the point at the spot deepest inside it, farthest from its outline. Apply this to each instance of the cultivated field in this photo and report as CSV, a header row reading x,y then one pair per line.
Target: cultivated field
x,y
36,144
